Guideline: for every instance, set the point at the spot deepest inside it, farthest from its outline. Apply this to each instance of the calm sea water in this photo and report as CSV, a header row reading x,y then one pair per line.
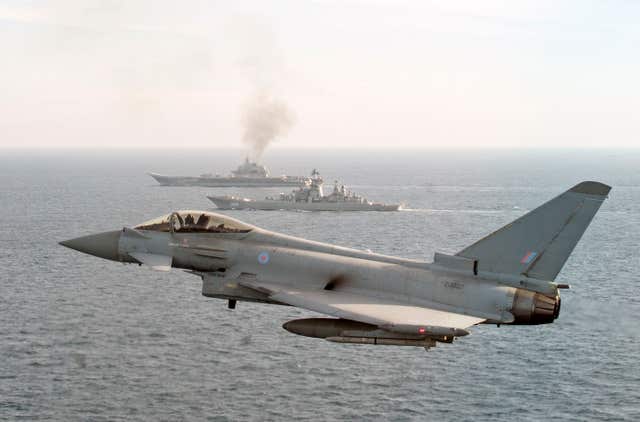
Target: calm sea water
x,y
87,339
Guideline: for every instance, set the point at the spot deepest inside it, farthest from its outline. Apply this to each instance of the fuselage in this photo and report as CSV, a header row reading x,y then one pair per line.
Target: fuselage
x,y
224,259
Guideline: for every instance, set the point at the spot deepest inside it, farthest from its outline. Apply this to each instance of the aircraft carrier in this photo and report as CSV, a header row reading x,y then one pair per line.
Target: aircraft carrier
x,y
249,174
308,197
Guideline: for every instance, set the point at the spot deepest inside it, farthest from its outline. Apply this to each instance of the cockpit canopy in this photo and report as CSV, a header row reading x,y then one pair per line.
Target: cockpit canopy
x,y
189,221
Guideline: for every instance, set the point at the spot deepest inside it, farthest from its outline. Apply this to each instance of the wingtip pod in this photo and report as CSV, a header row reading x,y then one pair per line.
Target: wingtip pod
x,y
591,188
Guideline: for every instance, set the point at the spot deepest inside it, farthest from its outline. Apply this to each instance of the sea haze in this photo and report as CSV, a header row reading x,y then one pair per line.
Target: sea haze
x,y
88,339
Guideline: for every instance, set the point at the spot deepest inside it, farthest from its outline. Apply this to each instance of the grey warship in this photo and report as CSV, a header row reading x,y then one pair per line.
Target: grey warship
x,y
308,197
249,174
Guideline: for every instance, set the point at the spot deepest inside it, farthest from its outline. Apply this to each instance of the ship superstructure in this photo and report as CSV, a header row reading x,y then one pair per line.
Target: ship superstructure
x,y
309,196
249,174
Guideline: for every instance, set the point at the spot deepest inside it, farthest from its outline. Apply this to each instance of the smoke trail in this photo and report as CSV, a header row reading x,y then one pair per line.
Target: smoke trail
x,y
264,120
264,115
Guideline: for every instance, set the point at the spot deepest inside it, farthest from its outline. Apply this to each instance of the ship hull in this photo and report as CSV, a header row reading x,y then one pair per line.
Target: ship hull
x,y
228,182
228,203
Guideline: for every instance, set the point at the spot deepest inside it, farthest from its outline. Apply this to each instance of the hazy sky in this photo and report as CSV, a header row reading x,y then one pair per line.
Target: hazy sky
x,y
386,73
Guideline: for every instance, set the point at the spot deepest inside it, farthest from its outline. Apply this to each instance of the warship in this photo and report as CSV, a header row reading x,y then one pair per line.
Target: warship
x,y
308,197
249,174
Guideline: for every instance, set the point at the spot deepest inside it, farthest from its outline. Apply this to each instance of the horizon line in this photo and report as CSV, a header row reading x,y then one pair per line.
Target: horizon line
x,y
328,148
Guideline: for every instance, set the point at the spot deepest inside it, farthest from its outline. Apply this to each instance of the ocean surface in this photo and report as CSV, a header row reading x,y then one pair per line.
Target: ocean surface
x,y
83,338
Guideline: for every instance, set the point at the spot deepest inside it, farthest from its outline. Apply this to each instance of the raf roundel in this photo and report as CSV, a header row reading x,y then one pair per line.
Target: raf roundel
x,y
263,258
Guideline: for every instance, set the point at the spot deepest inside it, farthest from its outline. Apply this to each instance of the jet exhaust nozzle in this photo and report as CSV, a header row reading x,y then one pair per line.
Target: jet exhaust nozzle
x,y
530,308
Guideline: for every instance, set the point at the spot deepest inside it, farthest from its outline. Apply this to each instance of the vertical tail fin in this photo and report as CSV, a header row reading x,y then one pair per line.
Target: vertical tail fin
x,y
539,243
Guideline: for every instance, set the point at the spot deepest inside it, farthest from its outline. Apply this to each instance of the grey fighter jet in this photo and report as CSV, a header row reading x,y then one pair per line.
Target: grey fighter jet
x,y
504,278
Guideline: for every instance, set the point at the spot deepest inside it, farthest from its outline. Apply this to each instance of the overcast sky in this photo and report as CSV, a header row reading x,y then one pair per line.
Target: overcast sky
x,y
386,73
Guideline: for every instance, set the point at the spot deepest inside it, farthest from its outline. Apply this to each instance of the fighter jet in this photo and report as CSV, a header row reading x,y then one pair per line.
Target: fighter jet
x,y
505,278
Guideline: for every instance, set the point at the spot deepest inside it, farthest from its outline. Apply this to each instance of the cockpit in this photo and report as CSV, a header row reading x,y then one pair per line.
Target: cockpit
x,y
195,222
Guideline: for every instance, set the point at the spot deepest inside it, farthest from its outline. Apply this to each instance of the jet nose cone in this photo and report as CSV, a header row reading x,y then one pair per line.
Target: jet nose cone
x,y
103,245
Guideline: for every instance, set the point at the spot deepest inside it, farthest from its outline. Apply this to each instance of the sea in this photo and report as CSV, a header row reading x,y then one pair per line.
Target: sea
x,y
85,339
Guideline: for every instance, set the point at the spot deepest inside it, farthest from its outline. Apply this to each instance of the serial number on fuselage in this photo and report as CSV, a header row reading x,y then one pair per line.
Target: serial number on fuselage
x,y
453,285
